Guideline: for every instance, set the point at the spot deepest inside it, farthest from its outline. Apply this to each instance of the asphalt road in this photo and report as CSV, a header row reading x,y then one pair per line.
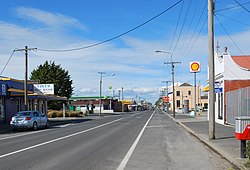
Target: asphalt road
x,y
142,140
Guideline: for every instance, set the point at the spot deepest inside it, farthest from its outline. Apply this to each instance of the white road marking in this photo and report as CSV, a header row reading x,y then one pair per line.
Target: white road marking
x,y
24,134
57,139
157,126
62,126
132,148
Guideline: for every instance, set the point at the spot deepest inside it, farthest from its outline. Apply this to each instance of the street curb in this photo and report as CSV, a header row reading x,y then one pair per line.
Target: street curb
x,y
214,148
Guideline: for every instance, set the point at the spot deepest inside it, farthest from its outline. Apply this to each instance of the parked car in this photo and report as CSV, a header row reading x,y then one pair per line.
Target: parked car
x,y
29,120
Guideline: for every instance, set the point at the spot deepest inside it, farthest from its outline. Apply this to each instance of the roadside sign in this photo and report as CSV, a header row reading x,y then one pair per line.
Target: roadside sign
x,y
110,87
194,67
165,98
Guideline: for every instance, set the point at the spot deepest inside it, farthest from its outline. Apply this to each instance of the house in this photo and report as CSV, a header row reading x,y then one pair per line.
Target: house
x,y
232,76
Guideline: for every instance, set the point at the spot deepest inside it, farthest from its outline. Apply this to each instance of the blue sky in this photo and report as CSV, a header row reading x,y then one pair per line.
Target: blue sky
x,y
182,30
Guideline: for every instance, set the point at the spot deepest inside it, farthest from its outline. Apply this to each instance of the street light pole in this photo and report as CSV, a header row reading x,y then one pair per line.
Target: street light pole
x,y
172,66
122,101
100,99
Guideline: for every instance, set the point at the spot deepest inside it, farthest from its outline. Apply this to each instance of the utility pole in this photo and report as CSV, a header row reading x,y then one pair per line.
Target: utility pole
x,y
100,97
172,65
26,49
211,69
167,94
122,101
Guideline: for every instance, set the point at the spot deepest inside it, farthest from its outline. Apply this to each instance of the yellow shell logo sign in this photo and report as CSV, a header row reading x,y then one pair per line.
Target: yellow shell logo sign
x,y
194,66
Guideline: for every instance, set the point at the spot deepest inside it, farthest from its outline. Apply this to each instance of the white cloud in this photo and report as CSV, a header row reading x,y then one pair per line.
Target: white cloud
x,y
50,19
137,67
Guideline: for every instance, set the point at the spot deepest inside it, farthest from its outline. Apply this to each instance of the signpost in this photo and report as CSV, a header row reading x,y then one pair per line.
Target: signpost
x,y
194,68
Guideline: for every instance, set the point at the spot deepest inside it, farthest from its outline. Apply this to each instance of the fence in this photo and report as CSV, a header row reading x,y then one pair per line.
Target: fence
x,y
237,104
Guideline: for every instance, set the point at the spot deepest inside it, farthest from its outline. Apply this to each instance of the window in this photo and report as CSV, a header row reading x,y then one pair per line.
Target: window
x,y
178,93
189,93
178,103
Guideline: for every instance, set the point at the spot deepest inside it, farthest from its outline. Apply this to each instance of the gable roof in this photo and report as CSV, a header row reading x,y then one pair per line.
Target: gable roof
x,y
185,84
242,61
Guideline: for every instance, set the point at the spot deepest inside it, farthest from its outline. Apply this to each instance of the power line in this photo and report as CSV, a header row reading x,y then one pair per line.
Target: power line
x,y
115,37
233,19
193,35
229,35
176,27
232,7
193,42
182,26
189,27
7,62
242,6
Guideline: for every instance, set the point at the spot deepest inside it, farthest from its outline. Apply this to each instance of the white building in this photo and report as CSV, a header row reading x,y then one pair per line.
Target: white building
x,y
231,73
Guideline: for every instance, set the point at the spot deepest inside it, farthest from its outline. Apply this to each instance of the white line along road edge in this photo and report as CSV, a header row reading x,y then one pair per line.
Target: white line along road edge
x,y
132,148
54,140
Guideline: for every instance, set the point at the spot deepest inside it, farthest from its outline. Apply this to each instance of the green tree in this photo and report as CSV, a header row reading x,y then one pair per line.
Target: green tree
x,y
50,73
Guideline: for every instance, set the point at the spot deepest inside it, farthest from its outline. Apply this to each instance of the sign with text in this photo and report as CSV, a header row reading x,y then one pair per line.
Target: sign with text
x,y
44,88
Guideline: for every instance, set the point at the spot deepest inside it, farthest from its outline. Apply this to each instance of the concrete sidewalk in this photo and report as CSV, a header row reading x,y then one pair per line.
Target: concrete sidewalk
x,y
225,143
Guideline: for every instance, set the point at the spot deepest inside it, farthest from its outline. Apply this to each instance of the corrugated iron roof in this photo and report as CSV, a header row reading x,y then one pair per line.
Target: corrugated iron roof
x,y
242,61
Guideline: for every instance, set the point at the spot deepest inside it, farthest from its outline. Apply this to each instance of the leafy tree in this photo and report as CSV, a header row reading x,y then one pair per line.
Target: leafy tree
x,y
50,73
158,102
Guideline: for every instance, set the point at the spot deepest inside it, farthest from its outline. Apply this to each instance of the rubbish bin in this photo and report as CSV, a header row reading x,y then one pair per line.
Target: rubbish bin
x,y
242,132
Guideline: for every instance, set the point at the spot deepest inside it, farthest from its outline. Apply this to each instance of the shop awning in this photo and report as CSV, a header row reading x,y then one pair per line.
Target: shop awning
x,y
206,89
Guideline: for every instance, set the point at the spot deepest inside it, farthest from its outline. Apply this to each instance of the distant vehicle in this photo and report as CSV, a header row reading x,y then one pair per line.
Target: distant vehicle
x,y
29,120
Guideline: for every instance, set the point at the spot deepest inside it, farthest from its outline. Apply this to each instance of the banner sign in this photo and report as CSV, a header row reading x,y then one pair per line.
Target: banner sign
x,y
44,88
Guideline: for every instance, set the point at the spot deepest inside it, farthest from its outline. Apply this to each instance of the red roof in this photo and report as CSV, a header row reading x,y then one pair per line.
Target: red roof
x,y
243,61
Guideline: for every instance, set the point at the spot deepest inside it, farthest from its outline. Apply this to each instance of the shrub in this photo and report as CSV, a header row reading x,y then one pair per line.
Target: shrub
x,y
56,113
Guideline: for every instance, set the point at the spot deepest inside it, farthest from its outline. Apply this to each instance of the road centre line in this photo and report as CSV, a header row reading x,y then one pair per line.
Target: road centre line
x,y
132,148
55,140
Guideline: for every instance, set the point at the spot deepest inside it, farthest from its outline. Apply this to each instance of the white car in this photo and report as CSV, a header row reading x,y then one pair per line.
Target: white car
x,y
29,120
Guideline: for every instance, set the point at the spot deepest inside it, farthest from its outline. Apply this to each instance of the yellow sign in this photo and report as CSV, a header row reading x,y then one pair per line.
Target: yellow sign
x,y
195,66
126,102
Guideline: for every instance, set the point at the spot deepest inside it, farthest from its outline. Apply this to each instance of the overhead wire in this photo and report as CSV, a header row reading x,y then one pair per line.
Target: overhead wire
x,y
232,7
196,27
7,62
229,35
178,39
197,36
176,27
242,6
233,19
113,38
189,27
175,31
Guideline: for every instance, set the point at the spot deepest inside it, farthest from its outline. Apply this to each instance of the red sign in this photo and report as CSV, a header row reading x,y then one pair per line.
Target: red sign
x,y
165,98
